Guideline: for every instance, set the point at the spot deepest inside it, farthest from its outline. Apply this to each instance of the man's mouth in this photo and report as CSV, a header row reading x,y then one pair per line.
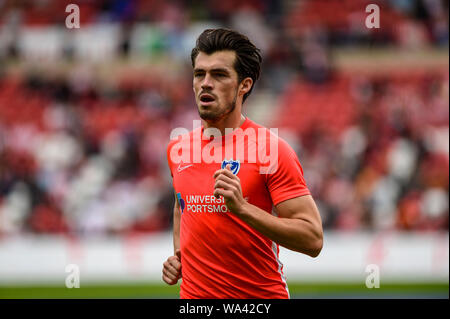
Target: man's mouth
x,y
206,99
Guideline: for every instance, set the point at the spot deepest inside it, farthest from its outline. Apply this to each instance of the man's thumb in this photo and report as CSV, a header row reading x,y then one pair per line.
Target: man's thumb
x,y
178,254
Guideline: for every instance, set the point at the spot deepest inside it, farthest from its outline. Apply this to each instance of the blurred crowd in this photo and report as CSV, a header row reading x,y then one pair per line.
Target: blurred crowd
x,y
86,115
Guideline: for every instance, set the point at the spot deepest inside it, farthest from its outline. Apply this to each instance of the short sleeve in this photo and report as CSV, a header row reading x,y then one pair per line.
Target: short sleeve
x,y
287,181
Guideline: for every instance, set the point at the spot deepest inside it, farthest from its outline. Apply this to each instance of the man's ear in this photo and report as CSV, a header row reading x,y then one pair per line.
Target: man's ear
x,y
245,85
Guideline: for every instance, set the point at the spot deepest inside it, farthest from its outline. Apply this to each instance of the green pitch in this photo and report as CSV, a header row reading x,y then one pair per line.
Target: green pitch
x,y
158,291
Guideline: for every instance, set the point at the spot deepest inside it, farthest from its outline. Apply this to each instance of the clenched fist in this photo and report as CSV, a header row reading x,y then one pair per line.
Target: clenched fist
x,y
172,268
228,185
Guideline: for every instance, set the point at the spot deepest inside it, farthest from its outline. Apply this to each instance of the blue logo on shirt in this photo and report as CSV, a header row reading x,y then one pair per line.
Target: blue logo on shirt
x,y
234,165
181,202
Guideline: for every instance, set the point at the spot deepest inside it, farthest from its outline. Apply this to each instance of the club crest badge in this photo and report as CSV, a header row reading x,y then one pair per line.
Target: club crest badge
x,y
234,165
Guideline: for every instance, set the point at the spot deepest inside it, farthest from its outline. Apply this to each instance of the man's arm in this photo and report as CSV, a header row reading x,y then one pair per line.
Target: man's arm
x,y
176,225
298,227
172,266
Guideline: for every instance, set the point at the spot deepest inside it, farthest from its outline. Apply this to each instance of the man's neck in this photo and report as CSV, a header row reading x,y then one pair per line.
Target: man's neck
x,y
232,121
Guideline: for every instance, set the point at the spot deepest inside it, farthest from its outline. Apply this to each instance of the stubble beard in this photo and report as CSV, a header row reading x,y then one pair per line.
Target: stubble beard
x,y
214,117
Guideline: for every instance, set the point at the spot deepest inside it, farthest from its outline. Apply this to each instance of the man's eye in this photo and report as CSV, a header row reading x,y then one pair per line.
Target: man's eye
x,y
198,75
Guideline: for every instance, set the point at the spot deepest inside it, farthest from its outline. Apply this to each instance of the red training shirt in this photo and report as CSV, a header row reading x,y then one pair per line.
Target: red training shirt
x,y
222,256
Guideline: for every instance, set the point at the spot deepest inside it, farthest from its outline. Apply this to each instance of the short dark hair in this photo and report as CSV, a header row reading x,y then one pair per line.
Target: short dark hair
x,y
248,56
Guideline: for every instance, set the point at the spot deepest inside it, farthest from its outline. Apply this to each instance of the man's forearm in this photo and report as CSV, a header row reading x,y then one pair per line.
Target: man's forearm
x,y
293,233
176,229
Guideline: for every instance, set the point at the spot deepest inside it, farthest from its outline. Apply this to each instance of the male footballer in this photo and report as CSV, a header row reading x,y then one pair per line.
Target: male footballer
x,y
240,192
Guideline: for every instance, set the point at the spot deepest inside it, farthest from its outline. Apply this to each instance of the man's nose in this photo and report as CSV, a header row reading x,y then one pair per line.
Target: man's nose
x,y
207,82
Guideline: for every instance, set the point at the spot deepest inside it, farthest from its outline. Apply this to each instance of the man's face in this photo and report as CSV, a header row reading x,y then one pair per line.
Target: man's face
x,y
215,84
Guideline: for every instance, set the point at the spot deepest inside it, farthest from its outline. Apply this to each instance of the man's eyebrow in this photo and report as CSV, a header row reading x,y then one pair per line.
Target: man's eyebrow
x,y
220,70
212,70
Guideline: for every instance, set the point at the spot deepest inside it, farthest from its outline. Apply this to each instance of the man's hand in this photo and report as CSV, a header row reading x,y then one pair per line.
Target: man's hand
x,y
228,185
172,268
